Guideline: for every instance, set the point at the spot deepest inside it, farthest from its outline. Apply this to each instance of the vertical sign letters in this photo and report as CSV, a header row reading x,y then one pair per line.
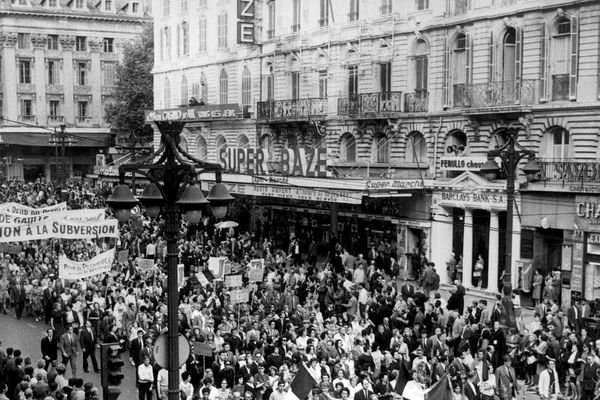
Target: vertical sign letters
x,y
245,25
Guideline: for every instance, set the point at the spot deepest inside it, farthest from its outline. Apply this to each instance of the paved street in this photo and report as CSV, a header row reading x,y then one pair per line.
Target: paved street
x,y
26,334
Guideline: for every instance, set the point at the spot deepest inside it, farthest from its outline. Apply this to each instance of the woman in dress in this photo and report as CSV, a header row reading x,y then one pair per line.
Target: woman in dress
x,y
538,280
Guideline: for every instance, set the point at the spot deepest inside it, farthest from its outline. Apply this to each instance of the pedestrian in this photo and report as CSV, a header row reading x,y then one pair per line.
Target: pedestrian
x,y
549,384
69,348
89,342
145,380
49,347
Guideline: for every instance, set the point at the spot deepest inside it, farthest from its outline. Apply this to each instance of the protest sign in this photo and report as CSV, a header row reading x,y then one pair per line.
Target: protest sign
x,y
10,248
145,264
255,275
26,211
258,263
216,265
180,275
71,215
59,229
73,270
203,349
233,280
123,256
239,296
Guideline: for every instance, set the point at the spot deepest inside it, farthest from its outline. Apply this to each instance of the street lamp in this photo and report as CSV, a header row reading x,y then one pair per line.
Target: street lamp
x,y
172,189
511,153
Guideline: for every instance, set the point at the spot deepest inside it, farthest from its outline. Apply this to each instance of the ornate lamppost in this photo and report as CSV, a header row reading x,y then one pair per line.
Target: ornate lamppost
x,y
173,188
511,153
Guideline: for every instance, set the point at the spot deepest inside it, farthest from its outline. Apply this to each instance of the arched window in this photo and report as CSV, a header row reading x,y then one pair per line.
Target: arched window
x,y
243,141
269,80
266,144
456,143
459,69
416,148
183,143
246,87
380,149
201,149
509,54
203,88
556,144
223,87
167,94
166,43
348,148
295,77
563,62
220,144
420,65
183,48
196,90
184,91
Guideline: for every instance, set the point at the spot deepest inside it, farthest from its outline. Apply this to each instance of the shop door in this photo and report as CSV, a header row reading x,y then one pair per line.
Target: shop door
x,y
591,282
31,172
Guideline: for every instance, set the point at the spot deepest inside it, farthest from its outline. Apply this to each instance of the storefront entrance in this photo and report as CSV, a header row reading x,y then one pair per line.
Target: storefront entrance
x,y
32,172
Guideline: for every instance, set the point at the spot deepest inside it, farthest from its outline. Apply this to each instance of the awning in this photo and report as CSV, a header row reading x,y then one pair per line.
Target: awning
x,y
42,139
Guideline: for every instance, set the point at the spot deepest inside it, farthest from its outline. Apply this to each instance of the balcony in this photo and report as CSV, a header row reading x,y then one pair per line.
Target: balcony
x,y
290,109
416,102
499,96
569,170
28,119
85,122
370,103
55,120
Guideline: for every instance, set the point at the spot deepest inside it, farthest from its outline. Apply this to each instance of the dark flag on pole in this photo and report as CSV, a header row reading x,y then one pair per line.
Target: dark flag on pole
x,y
302,384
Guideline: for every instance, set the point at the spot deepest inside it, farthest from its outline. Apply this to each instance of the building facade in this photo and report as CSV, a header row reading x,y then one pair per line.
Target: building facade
x,y
405,97
58,67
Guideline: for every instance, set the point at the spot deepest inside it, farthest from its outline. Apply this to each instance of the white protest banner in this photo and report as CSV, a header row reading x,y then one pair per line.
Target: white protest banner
x,y
258,263
239,296
73,270
145,264
71,215
233,281
180,275
20,209
255,275
59,229
216,265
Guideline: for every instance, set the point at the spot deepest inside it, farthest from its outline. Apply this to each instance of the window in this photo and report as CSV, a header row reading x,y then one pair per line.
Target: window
x,y
348,148
422,4
296,15
135,7
24,71
109,74
271,19
167,94
184,91
107,5
270,82
82,73
246,87
223,87
295,85
202,35
82,109
52,3
564,59
53,108
26,108
201,148
79,3
52,42
353,15
456,143
385,79
266,143
196,90
107,45
352,81
166,43
380,149
416,148
243,141
203,88
221,144
322,84
386,7
420,65
80,43
53,72
556,144
23,41
323,13
459,70
222,31
183,5
166,7
185,39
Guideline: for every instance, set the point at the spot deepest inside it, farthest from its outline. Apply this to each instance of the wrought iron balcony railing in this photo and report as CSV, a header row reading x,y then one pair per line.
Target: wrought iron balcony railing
x,y
370,103
499,93
55,120
291,108
417,101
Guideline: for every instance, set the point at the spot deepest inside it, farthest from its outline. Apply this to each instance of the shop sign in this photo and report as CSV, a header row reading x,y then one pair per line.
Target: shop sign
x,y
472,199
587,212
464,163
593,238
300,161
572,171
245,25
385,184
196,113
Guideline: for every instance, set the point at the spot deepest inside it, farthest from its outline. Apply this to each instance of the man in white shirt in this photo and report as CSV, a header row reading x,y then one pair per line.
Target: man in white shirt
x,y
548,385
145,380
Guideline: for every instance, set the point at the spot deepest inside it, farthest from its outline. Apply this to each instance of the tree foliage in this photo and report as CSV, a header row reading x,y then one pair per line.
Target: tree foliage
x,y
134,89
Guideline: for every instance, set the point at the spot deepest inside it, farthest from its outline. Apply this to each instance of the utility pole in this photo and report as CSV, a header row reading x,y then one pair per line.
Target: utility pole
x,y
60,139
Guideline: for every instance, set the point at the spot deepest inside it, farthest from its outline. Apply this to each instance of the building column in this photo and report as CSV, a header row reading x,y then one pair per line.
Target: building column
x,y
494,242
39,78
95,111
441,240
10,77
67,42
468,249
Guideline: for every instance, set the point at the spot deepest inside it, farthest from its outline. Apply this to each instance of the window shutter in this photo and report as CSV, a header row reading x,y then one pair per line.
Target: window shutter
x,y
543,62
468,68
446,75
518,53
574,57
491,55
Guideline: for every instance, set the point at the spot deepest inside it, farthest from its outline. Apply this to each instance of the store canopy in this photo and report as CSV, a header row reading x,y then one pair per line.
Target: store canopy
x,y
79,139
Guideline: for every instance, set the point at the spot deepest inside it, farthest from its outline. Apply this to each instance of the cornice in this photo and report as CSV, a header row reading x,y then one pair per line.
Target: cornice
x,y
9,10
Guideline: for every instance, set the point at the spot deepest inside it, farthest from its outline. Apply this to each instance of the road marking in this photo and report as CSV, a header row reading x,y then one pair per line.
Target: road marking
x,y
31,325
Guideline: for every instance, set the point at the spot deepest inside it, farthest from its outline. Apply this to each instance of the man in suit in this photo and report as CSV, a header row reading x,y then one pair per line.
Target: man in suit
x,y
549,384
19,296
407,290
574,316
49,347
366,392
470,389
506,380
69,347
590,371
88,341
135,349
436,344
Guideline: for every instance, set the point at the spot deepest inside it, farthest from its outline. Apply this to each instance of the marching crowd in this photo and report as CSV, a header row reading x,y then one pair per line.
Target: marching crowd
x,y
364,327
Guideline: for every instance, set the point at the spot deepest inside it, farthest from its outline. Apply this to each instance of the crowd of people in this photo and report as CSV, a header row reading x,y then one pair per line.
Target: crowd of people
x,y
364,329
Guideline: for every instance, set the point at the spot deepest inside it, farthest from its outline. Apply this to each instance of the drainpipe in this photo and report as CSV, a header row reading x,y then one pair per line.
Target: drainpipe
x,y
435,145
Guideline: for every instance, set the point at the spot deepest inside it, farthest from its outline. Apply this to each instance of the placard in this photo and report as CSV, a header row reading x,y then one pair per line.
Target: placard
x,y
255,275
145,264
239,296
180,275
73,270
55,228
258,263
10,248
233,281
203,349
123,256
216,265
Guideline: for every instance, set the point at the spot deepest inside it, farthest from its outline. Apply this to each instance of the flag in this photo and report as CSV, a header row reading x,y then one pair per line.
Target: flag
x,y
302,384
441,390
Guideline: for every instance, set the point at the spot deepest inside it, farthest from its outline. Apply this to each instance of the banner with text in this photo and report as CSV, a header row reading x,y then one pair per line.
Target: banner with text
x,y
71,215
23,210
59,229
73,270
